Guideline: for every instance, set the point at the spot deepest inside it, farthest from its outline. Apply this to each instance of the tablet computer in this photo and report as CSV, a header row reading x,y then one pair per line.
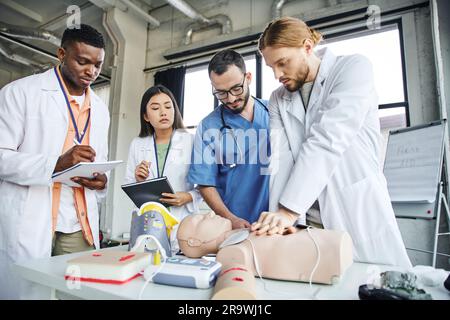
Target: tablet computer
x,y
148,190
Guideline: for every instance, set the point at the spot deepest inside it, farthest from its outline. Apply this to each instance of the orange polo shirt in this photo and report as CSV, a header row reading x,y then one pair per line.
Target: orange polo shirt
x,y
81,116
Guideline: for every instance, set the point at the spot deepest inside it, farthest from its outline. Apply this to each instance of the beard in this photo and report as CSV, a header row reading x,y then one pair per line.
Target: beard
x,y
300,79
240,109
70,78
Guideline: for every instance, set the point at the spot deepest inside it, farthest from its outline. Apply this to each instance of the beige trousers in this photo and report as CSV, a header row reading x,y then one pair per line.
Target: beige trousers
x,y
65,243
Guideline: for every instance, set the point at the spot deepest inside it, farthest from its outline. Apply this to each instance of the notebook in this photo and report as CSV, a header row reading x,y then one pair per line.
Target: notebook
x,y
149,190
83,169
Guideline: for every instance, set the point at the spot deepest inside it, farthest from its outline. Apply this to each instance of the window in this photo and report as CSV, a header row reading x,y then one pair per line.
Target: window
x,y
269,83
383,49
198,100
250,64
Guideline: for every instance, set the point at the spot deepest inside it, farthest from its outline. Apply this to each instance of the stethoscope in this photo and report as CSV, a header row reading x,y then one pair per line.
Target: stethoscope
x,y
226,128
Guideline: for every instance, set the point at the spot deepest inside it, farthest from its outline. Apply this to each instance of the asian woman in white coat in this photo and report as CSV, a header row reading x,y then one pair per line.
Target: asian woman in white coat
x,y
163,148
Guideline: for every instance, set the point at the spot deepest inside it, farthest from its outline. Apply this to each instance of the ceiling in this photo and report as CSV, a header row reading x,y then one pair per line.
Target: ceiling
x,y
51,15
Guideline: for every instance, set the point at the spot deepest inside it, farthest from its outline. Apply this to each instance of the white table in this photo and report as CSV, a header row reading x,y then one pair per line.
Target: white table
x,y
50,272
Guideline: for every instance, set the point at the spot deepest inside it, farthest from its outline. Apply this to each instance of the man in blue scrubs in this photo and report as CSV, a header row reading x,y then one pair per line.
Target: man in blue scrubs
x,y
231,151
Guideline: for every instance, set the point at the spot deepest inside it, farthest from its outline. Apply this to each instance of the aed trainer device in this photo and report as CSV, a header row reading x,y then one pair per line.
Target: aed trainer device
x,y
185,272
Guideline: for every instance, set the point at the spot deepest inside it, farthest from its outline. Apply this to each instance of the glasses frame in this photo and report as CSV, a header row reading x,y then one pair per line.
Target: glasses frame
x,y
241,86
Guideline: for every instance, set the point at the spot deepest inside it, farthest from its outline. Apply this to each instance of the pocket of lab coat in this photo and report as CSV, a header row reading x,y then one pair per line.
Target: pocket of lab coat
x,y
12,200
47,127
8,219
176,157
360,205
47,111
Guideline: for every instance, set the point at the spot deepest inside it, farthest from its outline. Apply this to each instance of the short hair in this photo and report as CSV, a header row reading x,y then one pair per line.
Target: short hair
x,y
287,32
86,34
224,59
146,128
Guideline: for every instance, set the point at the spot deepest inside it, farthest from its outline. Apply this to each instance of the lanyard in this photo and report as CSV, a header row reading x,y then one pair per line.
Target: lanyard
x,y
156,156
77,134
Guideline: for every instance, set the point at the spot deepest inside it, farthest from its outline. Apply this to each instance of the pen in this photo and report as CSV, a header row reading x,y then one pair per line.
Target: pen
x,y
144,157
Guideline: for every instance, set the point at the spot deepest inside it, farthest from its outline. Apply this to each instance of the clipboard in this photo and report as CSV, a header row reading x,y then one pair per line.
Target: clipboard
x,y
149,190
85,170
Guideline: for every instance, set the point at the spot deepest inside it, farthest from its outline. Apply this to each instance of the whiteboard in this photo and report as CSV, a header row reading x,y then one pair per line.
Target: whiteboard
x,y
414,161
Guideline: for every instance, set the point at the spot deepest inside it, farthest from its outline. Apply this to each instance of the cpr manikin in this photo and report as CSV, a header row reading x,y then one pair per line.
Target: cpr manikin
x,y
284,257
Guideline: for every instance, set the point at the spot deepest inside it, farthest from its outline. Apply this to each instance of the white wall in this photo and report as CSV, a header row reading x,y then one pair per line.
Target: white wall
x,y
126,91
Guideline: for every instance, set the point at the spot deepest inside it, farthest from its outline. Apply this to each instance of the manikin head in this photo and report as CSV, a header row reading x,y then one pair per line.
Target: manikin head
x,y
287,47
201,234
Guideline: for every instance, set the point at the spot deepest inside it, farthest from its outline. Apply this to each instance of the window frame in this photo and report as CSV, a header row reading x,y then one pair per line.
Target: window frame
x,y
256,77
362,30
349,31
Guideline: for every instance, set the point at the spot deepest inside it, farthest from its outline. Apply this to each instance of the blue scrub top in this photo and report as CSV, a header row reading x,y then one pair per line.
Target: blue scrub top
x,y
234,161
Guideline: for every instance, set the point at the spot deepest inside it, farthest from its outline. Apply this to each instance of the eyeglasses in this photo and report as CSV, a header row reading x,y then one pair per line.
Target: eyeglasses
x,y
235,91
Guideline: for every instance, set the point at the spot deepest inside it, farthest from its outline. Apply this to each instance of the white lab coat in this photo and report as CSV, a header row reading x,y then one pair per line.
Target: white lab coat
x,y
331,154
176,170
33,126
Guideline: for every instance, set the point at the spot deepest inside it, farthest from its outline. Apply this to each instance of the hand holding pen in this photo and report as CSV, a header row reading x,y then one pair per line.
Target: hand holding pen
x,y
81,153
142,171
76,154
